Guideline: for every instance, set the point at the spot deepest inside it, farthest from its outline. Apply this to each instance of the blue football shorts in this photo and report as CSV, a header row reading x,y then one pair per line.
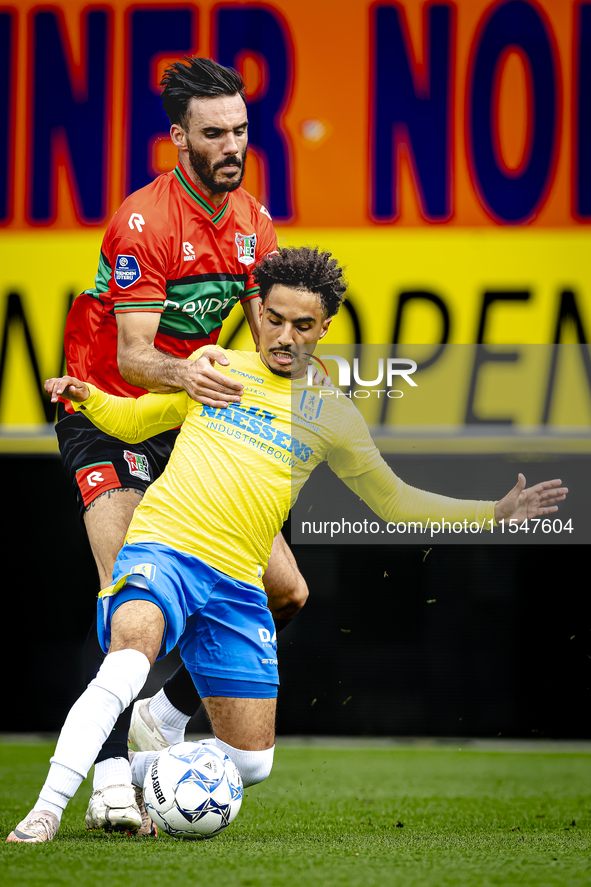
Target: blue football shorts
x,y
223,627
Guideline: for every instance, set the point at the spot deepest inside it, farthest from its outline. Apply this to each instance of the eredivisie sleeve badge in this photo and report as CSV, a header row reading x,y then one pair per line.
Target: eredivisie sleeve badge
x,y
127,271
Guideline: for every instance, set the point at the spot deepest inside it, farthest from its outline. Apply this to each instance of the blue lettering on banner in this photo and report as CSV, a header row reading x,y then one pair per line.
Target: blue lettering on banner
x,y
261,30
513,198
155,32
411,110
127,271
6,66
64,106
582,146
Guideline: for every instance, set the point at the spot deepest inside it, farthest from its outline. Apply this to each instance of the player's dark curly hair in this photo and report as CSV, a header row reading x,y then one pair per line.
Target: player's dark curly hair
x,y
304,268
193,77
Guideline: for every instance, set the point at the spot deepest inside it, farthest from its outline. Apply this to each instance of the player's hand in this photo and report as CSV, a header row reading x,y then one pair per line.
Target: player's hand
x,y
319,379
207,385
68,388
520,504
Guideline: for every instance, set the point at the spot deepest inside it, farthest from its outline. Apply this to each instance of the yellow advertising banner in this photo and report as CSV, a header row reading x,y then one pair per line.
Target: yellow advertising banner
x,y
408,287
440,150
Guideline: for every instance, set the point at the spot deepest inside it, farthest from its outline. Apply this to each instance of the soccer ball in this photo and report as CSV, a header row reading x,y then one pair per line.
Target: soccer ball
x,y
193,790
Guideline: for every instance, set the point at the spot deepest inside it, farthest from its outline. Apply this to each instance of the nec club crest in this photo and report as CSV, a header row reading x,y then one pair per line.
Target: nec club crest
x,y
138,464
246,244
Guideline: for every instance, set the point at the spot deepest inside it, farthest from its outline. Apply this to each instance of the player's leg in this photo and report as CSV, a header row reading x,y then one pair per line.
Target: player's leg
x,y
109,479
137,625
136,628
107,520
233,640
132,619
161,720
107,494
243,727
142,572
234,646
248,724
245,730
286,588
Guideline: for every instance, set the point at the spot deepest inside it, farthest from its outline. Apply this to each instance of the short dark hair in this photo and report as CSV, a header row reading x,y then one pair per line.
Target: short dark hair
x,y
304,268
198,78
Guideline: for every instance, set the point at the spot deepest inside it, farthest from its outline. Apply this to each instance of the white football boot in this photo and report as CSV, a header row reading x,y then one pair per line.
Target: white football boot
x,y
144,731
114,809
36,827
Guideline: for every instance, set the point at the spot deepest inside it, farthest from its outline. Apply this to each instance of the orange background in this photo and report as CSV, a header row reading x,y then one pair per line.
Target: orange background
x,y
327,119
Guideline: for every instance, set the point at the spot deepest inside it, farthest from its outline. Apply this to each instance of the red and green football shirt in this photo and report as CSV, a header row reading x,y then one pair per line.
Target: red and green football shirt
x,y
169,251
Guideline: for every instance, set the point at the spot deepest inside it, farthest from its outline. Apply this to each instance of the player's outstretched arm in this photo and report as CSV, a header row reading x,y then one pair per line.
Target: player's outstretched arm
x,y
142,364
127,418
521,504
67,387
393,500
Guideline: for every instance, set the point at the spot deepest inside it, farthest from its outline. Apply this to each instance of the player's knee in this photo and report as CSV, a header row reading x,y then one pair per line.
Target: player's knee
x,y
296,597
253,766
123,674
301,592
286,602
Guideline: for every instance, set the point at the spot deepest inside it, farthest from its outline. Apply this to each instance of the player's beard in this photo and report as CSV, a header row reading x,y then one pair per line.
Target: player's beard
x,y
297,369
206,170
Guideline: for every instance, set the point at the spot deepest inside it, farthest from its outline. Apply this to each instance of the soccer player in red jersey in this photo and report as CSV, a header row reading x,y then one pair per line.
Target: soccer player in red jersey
x,y
175,258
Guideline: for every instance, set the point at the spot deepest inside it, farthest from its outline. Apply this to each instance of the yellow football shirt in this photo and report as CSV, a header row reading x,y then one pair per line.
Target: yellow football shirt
x,y
234,473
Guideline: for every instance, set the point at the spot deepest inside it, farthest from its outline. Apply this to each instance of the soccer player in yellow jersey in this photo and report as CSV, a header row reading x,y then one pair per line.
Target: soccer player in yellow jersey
x,y
190,571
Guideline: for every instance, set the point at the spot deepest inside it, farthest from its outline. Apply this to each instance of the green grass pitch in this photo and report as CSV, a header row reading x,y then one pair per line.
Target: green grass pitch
x,y
406,816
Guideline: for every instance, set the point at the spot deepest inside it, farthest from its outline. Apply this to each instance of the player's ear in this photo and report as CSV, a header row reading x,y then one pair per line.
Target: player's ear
x,y
178,136
325,327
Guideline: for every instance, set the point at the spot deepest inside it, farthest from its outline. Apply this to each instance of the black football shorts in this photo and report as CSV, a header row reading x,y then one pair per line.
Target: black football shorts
x,y
97,462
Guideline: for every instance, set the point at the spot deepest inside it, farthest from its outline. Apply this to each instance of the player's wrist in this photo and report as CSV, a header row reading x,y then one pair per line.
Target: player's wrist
x,y
154,371
85,398
182,374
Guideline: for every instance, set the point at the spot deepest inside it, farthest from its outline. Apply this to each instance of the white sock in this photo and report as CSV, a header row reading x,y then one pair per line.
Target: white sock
x,y
112,771
253,766
173,721
90,720
140,764
61,785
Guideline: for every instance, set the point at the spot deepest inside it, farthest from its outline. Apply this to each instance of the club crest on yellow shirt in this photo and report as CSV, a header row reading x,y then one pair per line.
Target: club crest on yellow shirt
x,y
310,405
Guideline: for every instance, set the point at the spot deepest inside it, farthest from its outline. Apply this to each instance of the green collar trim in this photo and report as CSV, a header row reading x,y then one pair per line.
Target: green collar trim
x,y
215,213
